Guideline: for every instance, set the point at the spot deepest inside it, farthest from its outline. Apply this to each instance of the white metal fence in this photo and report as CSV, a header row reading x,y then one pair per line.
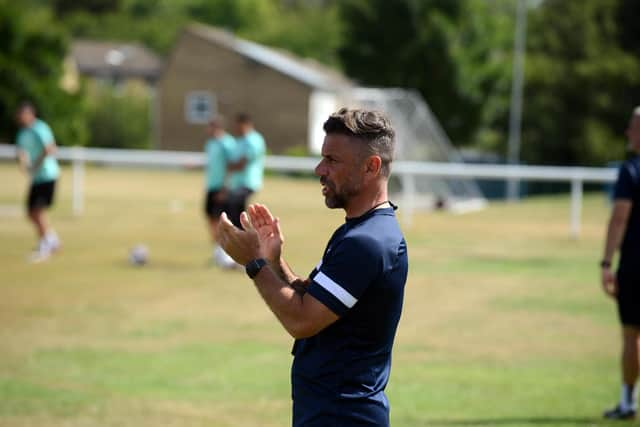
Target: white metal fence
x,y
406,170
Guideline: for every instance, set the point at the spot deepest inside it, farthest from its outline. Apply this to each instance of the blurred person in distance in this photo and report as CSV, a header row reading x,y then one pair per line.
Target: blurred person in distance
x,y
36,148
219,148
623,234
247,170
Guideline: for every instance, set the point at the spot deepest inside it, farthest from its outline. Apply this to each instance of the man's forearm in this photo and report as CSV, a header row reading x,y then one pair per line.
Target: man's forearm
x,y
23,163
285,272
49,150
281,297
39,160
615,231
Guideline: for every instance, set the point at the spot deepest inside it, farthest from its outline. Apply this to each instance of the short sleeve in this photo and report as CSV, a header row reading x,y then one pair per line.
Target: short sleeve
x,y
255,147
45,135
251,150
345,273
229,148
625,183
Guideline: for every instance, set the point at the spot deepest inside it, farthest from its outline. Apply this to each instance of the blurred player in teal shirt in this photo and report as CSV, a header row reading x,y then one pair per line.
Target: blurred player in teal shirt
x,y
36,147
220,151
248,168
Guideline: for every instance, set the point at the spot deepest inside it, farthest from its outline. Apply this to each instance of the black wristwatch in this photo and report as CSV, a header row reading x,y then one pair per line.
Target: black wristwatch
x,y
254,266
605,264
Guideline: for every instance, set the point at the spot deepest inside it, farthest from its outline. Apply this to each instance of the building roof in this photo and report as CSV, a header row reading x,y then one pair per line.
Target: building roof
x,y
305,71
115,59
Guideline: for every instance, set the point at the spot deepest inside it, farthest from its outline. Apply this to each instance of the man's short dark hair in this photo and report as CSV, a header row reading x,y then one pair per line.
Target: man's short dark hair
x,y
243,118
217,121
369,126
26,105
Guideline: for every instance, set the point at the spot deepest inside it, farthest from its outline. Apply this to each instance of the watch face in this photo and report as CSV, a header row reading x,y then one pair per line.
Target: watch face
x,y
253,267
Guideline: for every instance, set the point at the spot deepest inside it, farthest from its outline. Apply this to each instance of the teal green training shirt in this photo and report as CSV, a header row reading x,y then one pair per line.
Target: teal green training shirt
x,y
32,140
219,152
252,147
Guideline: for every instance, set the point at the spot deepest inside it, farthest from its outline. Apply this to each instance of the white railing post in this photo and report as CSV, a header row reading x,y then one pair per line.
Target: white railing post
x,y
407,171
408,197
576,206
77,191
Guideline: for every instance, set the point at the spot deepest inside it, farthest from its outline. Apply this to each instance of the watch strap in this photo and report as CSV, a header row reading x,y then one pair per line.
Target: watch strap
x,y
254,266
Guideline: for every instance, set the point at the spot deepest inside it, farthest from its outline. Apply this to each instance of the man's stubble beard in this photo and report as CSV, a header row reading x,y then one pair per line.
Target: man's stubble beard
x,y
339,200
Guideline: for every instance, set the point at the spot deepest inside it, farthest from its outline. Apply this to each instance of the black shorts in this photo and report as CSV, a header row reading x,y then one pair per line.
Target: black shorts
x,y
238,203
41,195
629,298
213,208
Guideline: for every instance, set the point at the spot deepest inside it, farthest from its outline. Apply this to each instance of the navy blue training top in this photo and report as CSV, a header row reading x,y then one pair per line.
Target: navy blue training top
x,y
628,187
339,375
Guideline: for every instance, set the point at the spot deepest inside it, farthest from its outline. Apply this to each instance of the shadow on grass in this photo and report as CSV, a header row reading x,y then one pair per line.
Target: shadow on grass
x,y
528,421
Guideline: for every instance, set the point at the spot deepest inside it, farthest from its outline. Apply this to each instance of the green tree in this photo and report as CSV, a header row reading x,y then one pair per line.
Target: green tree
x,y
154,23
308,29
63,7
32,51
118,119
582,80
482,48
409,44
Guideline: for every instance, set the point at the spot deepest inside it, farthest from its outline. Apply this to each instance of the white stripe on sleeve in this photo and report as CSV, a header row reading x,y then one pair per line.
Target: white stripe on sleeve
x,y
334,289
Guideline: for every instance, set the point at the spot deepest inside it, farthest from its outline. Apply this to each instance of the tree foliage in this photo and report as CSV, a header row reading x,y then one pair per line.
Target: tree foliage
x,y
582,64
309,29
582,82
482,48
64,7
405,43
32,51
118,118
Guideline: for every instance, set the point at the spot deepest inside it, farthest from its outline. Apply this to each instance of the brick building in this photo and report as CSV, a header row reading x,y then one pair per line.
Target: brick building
x,y
211,71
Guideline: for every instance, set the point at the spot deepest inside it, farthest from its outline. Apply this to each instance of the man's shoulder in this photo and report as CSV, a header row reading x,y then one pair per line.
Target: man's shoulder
x,y
373,235
255,137
635,162
226,137
223,141
42,129
631,168
211,145
40,125
381,223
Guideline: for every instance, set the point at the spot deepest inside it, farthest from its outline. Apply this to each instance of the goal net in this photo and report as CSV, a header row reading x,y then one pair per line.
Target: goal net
x,y
419,137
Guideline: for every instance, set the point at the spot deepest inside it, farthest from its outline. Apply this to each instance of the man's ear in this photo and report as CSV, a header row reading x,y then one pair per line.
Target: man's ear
x,y
373,164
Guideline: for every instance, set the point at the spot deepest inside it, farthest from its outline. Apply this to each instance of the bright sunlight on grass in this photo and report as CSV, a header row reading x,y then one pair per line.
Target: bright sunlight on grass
x,y
504,322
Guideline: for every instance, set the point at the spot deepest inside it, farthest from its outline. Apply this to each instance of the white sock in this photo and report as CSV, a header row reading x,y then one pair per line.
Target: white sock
x,y
226,256
628,397
225,259
51,237
43,245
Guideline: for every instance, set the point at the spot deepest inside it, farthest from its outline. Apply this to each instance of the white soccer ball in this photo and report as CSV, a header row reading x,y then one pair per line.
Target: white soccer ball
x,y
138,255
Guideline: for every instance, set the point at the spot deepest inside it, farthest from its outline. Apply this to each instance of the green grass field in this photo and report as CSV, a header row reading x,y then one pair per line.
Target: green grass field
x,y
504,322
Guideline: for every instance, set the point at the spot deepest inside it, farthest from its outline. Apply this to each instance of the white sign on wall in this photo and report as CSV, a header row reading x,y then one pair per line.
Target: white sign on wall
x,y
199,107
321,106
